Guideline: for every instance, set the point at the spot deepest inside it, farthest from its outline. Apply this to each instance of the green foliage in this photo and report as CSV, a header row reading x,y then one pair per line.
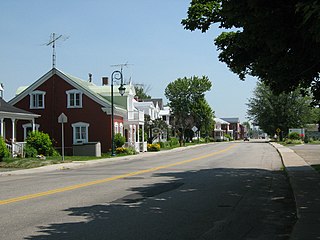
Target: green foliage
x,y
203,115
276,41
142,91
153,147
119,140
30,151
292,141
227,136
294,136
186,96
173,142
41,142
4,152
128,151
284,111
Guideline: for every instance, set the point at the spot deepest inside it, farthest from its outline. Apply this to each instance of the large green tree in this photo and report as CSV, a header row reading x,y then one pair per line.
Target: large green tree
x,y
203,116
276,41
284,111
183,94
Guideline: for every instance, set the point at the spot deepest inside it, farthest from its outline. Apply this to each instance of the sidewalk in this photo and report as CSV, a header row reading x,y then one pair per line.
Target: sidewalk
x,y
305,183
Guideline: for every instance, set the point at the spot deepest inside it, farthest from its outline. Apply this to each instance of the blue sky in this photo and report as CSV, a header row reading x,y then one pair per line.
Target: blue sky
x,y
145,33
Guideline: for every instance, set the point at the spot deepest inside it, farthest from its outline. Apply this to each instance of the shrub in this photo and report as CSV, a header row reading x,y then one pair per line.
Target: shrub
x,y
4,151
120,150
228,137
119,140
173,142
41,142
130,151
294,136
30,151
153,147
293,141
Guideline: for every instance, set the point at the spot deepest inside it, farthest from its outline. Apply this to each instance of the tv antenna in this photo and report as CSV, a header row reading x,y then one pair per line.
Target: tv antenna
x,y
121,65
52,41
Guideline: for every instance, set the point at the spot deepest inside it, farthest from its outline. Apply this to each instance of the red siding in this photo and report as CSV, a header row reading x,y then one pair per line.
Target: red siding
x,y
56,103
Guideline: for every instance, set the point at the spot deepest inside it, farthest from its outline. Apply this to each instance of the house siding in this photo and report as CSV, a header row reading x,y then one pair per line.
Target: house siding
x,y
56,103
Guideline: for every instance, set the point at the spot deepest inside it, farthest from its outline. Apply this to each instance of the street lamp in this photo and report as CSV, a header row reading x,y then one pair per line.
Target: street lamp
x,y
115,76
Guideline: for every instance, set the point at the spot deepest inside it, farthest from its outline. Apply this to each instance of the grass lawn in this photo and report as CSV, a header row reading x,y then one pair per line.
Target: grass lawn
x,y
37,162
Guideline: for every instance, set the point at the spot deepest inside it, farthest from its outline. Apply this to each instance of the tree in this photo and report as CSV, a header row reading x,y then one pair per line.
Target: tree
x,y
276,41
203,116
142,91
270,111
182,94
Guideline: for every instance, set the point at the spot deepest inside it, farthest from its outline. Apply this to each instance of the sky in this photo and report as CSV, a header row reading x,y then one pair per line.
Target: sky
x,y
97,34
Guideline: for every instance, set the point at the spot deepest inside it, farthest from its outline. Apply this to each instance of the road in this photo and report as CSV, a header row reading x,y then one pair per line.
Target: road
x,y
215,191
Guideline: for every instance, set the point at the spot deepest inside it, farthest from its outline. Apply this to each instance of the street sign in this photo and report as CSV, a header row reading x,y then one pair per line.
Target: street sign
x,y
194,129
278,130
62,118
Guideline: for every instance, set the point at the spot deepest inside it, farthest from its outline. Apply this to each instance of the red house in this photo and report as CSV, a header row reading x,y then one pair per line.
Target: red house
x,y
88,112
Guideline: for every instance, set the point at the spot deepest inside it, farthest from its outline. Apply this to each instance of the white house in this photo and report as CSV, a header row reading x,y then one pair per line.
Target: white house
x,y
221,127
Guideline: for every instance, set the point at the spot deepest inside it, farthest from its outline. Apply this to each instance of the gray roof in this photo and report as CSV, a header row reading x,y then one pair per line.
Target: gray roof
x,y
8,108
231,120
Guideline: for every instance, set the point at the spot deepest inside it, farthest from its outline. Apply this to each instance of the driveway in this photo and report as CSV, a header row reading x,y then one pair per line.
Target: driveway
x,y
309,152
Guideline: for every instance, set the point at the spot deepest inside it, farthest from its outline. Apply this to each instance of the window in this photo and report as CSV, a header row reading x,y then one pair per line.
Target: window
x,y
37,100
80,132
74,99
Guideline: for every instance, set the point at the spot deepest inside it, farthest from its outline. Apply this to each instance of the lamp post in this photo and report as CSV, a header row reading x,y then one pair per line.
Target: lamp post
x,y
115,76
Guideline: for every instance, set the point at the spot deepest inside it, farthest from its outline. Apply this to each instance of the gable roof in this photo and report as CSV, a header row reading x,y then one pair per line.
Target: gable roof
x,y
221,121
231,120
88,88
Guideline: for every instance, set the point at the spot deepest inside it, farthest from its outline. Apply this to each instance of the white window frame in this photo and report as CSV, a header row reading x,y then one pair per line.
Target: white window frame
x,y
121,128
74,93
26,126
116,127
82,126
34,103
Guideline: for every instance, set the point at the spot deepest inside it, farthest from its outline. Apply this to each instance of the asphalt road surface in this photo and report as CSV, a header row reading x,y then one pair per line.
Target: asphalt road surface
x,y
215,191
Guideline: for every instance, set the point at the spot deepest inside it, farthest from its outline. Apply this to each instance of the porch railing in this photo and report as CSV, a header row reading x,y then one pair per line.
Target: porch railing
x,y
16,149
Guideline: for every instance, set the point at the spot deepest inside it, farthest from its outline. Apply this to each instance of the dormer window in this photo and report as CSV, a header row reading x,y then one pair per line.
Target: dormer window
x,y
74,99
37,100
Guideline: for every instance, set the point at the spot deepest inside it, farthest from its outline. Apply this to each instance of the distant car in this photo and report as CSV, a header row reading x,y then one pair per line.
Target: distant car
x,y
246,139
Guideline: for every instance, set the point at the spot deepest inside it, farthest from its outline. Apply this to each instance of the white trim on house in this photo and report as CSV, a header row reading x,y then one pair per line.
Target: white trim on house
x,y
37,99
74,98
83,129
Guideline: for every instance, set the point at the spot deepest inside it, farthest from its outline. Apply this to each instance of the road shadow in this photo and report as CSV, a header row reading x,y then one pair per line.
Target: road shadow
x,y
206,204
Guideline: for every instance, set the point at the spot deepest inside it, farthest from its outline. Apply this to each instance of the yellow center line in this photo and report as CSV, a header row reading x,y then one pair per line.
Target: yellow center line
x,y
81,185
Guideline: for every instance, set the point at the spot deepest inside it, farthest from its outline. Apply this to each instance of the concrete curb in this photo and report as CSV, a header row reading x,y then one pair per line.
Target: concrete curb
x,y
305,183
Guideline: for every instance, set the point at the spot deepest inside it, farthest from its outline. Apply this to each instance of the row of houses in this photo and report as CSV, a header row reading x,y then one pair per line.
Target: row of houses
x,y
230,126
87,108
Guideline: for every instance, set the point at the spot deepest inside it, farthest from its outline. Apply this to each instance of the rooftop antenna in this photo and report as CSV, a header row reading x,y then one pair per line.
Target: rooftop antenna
x,y
52,41
121,65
